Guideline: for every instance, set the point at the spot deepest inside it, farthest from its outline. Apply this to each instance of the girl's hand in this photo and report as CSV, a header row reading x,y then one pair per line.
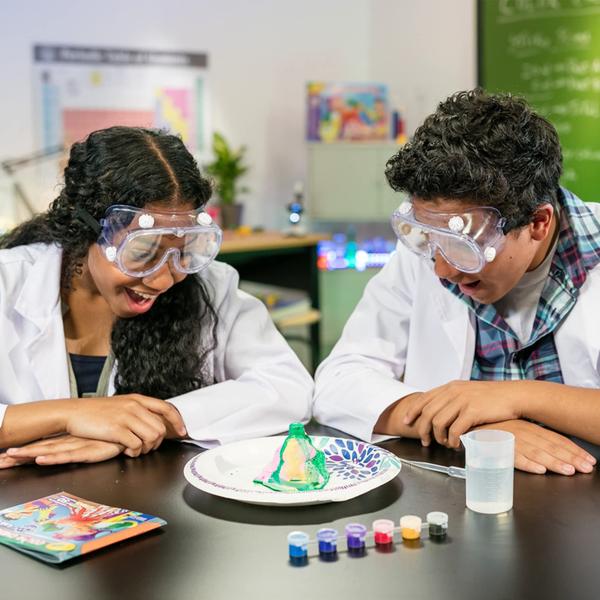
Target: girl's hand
x,y
538,450
59,451
137,422
6,461
448,411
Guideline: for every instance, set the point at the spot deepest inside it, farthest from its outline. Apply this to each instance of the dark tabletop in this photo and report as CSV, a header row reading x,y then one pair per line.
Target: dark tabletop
x,y
547,547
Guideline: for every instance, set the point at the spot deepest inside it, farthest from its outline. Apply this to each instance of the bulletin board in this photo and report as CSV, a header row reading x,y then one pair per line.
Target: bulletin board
x,y
549,52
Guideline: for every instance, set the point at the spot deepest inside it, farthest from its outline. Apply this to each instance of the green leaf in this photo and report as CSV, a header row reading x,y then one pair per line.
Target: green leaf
x,y
226,168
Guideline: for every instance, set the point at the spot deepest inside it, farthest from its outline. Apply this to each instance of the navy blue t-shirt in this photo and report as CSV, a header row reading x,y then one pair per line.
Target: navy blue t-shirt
x,y
87,370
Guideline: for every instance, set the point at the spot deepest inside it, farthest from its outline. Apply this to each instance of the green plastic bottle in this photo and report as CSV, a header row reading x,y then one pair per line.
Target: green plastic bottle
x,y
299,465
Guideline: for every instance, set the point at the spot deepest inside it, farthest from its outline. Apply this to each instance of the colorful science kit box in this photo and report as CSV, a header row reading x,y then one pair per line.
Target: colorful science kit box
x,y
62,526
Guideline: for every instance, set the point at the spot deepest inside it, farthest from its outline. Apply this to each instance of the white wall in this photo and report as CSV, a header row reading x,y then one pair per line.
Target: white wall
x,y
425,50
261,53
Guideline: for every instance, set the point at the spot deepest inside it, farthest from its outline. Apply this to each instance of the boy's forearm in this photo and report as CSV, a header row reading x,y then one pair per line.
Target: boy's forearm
x,y
567,409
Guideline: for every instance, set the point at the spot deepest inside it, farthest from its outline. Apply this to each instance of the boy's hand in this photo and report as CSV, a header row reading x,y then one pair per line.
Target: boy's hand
x,y
538,450
448,411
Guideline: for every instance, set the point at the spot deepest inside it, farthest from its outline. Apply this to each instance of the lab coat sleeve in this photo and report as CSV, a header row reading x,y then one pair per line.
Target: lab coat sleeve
x,y
361,376
3,408
264,386
8,274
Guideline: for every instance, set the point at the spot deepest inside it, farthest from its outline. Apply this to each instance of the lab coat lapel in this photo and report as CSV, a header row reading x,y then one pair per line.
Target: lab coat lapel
x,y
41,334
442,339
455,319
47,356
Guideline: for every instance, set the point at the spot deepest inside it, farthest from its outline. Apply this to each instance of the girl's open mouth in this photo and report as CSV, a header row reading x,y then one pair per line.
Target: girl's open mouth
x,y
139,302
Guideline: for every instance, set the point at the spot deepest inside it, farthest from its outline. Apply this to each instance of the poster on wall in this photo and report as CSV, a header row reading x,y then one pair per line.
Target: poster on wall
x,y
347,112
81,89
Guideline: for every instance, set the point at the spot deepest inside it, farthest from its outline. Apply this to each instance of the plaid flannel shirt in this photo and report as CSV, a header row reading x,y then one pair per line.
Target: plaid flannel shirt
x,y
499,355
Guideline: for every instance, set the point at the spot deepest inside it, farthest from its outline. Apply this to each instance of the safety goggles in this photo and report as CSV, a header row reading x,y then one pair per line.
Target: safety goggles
x,y
467,240
140,242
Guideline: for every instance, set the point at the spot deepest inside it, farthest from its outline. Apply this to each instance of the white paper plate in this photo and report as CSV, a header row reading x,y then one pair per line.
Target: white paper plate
x,y
228,471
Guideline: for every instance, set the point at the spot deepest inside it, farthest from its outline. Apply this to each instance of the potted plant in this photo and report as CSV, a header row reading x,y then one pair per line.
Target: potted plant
x,y
226,168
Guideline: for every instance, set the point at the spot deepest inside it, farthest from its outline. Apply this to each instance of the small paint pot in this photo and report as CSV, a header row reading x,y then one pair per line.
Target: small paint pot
x,y
355,538
438,524
327,539
410,527
383,532
297,546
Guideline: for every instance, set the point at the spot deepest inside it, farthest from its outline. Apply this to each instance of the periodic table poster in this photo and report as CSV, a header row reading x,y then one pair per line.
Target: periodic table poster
x,y
80,89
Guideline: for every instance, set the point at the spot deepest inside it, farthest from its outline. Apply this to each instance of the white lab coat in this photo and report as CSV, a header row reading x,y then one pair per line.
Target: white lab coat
x,y
262,386
408,333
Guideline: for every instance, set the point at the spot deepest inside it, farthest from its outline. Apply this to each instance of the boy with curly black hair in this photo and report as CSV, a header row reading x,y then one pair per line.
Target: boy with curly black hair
x,y
487,314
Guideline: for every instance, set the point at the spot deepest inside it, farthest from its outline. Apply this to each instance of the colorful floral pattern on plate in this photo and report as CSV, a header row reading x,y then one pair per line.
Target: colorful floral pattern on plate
x,y
352,460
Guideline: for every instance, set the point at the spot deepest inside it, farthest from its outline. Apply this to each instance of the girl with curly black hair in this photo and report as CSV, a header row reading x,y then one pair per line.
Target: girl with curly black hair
x,y
487,314
111,303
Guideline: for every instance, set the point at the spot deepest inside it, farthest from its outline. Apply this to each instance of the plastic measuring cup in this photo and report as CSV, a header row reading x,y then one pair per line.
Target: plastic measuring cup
x,y
490,462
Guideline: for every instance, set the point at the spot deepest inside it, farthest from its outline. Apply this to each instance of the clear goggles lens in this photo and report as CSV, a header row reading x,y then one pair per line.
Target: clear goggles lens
x,y
466,240
140,242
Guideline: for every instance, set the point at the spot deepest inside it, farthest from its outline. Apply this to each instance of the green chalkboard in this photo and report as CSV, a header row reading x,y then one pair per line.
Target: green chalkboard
x,y
549,52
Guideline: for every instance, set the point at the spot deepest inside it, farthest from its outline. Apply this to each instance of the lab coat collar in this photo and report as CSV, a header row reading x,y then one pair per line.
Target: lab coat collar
x,y
39,299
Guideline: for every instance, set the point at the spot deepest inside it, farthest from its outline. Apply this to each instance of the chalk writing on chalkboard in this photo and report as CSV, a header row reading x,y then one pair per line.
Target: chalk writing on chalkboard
x,y
549,52
513,11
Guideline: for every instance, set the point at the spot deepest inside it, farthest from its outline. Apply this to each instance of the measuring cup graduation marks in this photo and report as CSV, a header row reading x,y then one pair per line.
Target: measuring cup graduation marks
x,y
490,460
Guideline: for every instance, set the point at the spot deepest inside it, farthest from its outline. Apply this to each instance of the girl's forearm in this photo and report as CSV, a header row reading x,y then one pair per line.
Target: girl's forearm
x,y
31,421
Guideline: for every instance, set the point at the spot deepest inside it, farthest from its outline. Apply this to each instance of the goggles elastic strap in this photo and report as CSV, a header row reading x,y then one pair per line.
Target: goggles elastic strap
x,y
83,216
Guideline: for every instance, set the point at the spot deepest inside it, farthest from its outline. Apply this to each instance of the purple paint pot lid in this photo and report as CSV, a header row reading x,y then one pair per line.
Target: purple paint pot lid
x,y
356,530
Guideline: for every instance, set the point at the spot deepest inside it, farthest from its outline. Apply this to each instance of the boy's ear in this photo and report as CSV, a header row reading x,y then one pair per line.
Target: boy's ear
x,y
541,224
